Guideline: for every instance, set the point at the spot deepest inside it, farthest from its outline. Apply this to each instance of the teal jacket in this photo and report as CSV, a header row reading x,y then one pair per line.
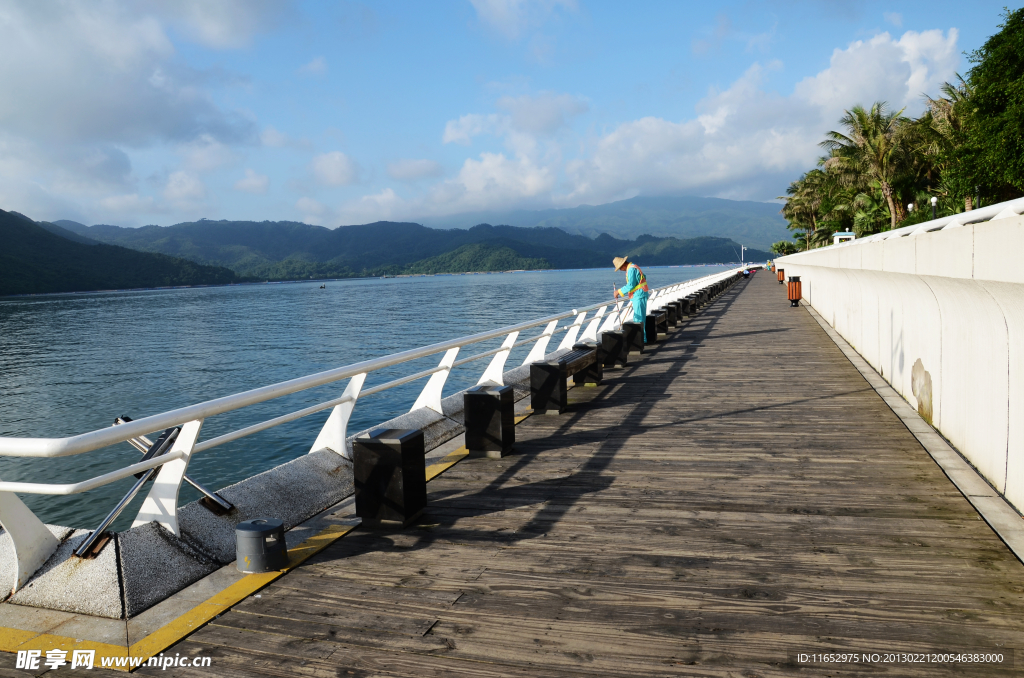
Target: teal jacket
x,y
632,280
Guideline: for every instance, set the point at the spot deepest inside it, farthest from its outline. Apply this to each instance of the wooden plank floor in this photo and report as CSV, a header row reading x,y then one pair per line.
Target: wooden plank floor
x,y
738,495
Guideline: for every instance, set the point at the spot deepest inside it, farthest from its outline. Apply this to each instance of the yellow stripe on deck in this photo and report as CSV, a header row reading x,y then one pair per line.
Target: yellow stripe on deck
x,y
12,640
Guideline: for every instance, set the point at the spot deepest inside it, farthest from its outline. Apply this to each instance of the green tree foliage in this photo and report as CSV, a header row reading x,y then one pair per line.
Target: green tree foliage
x,y
968,145
37,260
997,81
292,251
784,247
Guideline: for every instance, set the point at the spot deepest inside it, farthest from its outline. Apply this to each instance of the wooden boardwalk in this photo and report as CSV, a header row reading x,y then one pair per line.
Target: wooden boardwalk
x,y
737,496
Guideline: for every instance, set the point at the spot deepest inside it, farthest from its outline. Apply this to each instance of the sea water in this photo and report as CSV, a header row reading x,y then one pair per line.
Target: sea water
x,y
71,363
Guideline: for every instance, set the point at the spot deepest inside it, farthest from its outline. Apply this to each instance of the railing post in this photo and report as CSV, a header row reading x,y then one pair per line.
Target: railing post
x,y
612,322
497,365
32,542
332,435
539,349
590,334
570,337
161,504
430,396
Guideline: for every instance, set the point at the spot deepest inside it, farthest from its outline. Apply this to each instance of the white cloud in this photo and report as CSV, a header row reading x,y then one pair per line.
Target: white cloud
x,y
746,142
413,170
381,206
99,82
542,114
494,181
184,190
314,212
253,183
883,69
317,66
206,153
116,66
894,18
132,204
334,169
272,138
223,24
526,117
512,18
463,130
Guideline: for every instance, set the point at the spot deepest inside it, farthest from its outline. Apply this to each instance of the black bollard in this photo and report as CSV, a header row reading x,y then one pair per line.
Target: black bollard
x,y
634,335
615,349
390,476
490,420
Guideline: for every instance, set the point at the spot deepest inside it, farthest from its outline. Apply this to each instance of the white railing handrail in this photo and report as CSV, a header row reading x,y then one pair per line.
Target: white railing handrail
x,y
87,442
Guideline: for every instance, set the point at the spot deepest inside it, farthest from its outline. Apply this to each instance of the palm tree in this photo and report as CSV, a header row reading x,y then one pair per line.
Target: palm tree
x,y
874,146
945,132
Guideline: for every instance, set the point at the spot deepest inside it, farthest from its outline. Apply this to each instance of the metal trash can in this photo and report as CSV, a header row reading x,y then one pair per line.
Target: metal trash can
x,y
794,290
259,546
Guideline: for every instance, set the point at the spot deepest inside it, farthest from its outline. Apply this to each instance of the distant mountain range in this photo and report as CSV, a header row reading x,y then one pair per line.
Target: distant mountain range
x,y
287,250
43,257
754,224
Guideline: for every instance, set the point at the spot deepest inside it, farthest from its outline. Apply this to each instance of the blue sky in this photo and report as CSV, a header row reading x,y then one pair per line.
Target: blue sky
x,y
335,113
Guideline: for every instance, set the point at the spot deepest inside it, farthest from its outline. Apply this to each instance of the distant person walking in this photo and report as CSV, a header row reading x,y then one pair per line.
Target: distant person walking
x,y
636,290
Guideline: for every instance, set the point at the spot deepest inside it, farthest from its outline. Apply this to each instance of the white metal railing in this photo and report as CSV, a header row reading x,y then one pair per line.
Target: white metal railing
x,y
1002,210
33,543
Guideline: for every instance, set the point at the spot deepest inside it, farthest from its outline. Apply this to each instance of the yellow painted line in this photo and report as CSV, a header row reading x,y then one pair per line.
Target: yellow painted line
x,y
47,641
12,640
436,469
219,603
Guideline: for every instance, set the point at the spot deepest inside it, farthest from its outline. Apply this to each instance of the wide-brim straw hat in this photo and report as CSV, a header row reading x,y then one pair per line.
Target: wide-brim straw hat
x,y
619,262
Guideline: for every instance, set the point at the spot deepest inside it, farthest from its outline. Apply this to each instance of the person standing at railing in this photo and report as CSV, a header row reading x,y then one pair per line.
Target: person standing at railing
x,y
636,290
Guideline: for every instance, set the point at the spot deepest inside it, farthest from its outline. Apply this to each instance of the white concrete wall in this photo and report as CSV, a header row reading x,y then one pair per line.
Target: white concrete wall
x,y
951,303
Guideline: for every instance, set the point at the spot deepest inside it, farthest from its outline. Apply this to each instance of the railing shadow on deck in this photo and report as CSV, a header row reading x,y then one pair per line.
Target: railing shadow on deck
x,y
497,498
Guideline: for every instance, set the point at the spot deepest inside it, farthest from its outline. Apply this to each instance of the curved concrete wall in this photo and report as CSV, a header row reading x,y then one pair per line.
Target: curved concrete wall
x,y
940,316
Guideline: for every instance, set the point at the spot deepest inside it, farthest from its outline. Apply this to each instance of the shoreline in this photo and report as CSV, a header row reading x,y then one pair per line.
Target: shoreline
x,y
326,280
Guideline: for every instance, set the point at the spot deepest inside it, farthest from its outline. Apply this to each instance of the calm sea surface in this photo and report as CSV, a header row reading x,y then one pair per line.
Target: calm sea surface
x,y
70,364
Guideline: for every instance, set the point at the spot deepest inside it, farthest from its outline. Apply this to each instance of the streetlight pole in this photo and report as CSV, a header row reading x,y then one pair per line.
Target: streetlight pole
x,y
935,201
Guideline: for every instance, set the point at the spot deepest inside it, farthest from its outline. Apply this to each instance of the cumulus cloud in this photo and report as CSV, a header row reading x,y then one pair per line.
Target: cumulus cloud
x,y
413,170
746,142
184,190
463,130
253,183
317,66
544,113
531,115
314,212
381,206
132,203
495,181
334,169
512,18
96,72
98,82
206,153
223,24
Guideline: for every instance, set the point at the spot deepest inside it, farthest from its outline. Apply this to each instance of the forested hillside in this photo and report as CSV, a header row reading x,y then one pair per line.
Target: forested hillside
x,y
290,250
37,258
